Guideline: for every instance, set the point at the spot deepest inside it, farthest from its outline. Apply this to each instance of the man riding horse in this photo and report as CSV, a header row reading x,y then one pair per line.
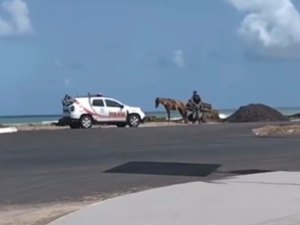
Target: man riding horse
x,y
194,105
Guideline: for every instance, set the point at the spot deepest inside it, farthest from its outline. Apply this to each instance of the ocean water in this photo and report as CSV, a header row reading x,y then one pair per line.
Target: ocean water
x,y
29,119
47,119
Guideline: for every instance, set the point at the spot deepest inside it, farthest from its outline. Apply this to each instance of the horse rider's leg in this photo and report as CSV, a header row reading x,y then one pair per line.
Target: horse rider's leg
x,y
194,113
194,116
202,114
197,111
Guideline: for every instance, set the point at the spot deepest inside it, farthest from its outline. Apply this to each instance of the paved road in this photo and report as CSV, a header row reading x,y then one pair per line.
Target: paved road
x,y
47,166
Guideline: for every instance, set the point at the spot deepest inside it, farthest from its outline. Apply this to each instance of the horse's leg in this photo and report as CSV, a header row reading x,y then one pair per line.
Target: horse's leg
x,y
183,115
168,113
186,119
199,118
194,116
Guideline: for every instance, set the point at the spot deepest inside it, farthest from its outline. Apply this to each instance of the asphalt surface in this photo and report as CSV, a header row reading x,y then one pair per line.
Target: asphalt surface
x,y
69,165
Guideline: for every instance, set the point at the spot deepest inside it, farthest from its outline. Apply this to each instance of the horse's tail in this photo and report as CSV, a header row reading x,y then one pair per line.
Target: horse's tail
x,y
157,101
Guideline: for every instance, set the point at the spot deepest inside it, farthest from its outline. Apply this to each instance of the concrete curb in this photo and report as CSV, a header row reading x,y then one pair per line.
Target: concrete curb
x,y
6,130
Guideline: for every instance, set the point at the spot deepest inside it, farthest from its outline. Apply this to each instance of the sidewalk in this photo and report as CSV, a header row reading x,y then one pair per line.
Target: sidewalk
x,y
259,199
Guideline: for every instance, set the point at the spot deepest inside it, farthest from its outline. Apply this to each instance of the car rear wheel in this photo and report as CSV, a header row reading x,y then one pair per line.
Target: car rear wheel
x,y
134,120
86,121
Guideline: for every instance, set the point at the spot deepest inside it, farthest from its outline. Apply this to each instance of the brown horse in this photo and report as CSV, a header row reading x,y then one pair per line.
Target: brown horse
x,y
171,104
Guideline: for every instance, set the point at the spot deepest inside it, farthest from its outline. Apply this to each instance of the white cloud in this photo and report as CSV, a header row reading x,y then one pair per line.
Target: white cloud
x,y
178,58
18,21
67,82
271,25
58,63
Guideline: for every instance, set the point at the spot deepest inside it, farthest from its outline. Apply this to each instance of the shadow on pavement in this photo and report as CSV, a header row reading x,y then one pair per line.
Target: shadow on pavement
x,y
166,168
249,171
178,169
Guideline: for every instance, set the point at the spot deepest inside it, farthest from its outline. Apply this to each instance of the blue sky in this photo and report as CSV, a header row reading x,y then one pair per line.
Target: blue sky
x,y
232,51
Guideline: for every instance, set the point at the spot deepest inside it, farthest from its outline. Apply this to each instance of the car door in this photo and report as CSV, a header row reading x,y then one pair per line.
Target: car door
x,y
116,111
100,112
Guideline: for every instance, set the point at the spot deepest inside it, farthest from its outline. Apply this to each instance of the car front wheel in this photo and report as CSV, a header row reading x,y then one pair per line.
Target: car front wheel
x,y
86,121
134,120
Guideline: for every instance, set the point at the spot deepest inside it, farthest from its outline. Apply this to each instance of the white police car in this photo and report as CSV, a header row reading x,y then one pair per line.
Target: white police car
x,y
83,112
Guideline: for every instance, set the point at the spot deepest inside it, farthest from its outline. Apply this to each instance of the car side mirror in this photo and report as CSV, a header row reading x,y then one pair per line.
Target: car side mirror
x,y
121,106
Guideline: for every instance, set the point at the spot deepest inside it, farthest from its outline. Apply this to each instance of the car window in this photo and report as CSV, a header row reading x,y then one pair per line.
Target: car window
x,y
110,103
98,102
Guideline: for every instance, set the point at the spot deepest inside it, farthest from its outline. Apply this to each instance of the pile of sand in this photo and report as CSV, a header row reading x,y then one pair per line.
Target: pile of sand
x,y
256,113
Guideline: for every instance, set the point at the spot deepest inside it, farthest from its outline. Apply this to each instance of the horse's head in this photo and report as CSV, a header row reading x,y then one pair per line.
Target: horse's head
x,y
157,100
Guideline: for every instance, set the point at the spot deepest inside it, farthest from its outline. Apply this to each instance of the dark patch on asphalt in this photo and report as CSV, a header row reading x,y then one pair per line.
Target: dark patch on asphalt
x,y
166,168
177,169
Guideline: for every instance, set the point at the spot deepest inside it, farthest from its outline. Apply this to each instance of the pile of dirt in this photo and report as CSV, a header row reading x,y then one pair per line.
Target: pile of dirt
x,y
256,113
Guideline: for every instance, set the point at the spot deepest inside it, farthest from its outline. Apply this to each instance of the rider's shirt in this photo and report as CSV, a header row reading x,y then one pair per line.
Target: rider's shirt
x,y
196,99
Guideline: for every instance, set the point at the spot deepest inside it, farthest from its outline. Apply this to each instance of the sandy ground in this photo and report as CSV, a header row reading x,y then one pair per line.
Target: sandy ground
x,y
39,214
44,213
278,130
52,127
270,130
